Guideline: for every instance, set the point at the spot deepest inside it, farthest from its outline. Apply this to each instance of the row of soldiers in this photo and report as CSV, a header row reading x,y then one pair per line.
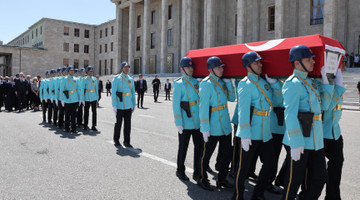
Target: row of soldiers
x,y
66,92
300,113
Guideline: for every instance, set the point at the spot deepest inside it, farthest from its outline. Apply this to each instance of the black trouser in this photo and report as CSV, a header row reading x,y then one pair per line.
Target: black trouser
x,y
334,154
224,156
86,113
140,99
235,152
277,142
99,95
70,113
108,91
312,167
167,94
61,114
266,153
21,97
44,108
50,110
156,93
79,116
56,109
198,141
120,114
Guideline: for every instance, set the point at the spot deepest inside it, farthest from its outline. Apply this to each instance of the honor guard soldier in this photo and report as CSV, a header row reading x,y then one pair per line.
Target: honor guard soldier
x,y
123,102
90,88
56,88
303,137
186,114
60,83
333,140
44,94
81,77
215,121
69,90
51,91
254,107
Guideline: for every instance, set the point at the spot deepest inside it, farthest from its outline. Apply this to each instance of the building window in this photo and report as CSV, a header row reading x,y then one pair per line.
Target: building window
x,y
86,48
66,47
153,17
138,43
170,37
86,63
100,49
317,7
40,30
112,46
138,21
111,66
170,12
271,18
66,30
76,63
112,30
235,25
86,33
76,48
106,32
100,33
77,32
66,62
152,40
100,67
105,49
106,69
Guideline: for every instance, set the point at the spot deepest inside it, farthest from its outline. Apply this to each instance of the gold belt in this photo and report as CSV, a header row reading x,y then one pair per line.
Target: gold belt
x,y
72,91
90,90
126,94
194,102
219,108
337,107
317,117
262,112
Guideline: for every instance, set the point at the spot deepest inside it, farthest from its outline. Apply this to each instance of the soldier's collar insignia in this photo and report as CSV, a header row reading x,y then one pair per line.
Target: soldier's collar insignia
x,y
266,86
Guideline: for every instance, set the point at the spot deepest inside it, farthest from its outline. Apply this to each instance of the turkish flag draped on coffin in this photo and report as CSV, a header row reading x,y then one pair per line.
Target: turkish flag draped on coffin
x,y
275,54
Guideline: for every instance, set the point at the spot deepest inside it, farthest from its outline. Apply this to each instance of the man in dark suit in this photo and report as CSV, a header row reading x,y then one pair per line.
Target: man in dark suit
x,y
140,88
29,92
167,89
2,91
100,87
108,87
21,90
10,94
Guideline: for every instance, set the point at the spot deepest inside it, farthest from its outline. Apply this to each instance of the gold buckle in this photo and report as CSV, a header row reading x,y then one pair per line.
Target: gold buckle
x,y
194,102
317,117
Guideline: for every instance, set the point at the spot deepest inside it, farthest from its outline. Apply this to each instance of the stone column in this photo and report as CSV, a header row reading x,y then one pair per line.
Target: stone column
x,y
279,19
189,29
131,35
256,21
330,16
164,30
209,24
119,13
241,25
183,27
145,38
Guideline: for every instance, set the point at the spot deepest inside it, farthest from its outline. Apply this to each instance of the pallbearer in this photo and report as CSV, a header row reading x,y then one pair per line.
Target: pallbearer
x,y
90,88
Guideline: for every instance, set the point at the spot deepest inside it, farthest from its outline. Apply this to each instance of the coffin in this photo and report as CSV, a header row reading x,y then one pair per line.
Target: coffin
x,y
275,54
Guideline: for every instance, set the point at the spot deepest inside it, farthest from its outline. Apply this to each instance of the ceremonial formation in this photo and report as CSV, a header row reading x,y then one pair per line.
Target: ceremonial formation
x,y
299,113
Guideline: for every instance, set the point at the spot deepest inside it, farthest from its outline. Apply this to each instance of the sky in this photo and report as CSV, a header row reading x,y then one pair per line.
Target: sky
x,y
16,16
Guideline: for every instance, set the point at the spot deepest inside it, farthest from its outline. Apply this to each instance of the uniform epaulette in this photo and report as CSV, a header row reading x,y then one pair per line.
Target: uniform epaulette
x,y
290,77
177,79
206,78
245,78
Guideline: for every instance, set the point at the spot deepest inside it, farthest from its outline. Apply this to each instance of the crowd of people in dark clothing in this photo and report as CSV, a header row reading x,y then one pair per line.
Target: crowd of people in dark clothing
x,y
19,93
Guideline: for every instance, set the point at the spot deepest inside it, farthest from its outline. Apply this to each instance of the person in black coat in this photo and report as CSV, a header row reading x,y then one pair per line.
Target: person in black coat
x,y
167,88
100,87
2,92
140,88
21,90
108,88
10,95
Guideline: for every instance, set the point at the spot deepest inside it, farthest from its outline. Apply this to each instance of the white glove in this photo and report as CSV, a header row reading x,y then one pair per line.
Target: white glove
x,y
45,99
79,103
180,129
41,99
56,102
51,99
226,80
270,80
133,109
206,136
296,153
83,102
338,78
115,109
63,103
246,144
324,79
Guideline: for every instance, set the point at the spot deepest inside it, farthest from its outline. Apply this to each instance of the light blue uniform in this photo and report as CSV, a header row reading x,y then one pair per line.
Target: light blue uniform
x,y
125,84
235,118
211,95
277,101
70,84
51,86
186,89
332,115
57,88
299,97
250,95
44,88
89,88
